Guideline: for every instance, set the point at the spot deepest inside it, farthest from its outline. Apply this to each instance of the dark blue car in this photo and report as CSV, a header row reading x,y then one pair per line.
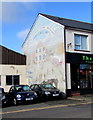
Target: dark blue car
x,y
20,94
47,92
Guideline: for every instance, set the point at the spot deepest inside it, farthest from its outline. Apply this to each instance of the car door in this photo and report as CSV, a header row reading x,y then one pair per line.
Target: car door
x,y
38,90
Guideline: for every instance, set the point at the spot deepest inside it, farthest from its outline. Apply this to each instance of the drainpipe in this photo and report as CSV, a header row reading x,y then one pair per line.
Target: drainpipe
x,y
65,58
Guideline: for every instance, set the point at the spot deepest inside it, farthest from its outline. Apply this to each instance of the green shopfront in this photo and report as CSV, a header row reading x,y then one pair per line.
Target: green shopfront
x,y
81,67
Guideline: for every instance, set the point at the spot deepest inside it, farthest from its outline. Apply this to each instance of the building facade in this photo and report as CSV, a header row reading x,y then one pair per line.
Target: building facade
x,y
12,68
60,51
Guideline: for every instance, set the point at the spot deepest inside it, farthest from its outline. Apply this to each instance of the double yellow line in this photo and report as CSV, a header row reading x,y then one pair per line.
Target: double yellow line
x,y
42,108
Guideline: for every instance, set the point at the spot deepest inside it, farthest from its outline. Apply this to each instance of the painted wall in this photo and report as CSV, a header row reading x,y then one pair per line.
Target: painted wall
x,y
44,48
12,70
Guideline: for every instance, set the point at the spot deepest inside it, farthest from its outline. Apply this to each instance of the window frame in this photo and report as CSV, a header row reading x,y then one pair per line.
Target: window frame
x,y
87,45
13,80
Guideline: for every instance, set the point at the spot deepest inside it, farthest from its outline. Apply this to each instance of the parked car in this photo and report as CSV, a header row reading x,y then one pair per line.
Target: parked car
x,y
20,94
3,98
47,91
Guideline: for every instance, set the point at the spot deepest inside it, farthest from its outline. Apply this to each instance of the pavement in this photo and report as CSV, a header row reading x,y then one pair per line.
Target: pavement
x,y
87,97
72,107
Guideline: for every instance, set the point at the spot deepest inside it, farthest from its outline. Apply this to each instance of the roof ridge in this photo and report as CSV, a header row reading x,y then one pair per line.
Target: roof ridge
x,y
65,19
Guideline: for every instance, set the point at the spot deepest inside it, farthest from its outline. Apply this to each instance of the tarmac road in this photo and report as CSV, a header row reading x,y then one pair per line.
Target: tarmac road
x,y
52,109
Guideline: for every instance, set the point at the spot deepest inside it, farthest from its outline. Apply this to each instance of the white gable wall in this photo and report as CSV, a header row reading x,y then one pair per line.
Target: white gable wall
x,y
44,48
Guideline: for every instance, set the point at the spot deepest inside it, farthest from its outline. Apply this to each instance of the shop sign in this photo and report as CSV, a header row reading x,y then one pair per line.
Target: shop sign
x,y
87,59
78,58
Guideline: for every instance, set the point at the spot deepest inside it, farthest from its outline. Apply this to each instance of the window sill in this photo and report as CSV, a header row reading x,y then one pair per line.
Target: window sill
x,y
82,50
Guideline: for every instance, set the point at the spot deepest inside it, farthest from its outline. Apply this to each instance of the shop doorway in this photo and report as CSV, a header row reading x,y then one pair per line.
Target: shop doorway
x,y
92,81
74,77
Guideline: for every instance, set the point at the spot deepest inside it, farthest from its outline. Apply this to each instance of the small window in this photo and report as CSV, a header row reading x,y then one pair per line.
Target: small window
x,y
36,58
36,51
80,42
40,57
16,80
8,80
43,49
44,56
12,80
39,50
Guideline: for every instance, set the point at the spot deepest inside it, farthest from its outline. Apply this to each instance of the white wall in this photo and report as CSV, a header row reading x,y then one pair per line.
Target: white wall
x,y
49,35
70,39
12,70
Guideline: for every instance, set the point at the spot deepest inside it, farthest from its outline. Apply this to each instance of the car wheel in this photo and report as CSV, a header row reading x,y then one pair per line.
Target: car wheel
x,y
15,102
44,98
64,96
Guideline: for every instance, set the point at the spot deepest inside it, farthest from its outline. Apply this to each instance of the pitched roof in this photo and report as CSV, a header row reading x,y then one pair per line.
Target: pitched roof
x,y
8,56
70,23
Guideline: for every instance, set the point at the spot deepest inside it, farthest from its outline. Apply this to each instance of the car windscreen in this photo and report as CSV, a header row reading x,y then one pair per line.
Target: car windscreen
x,y
22,88
47,86
26,88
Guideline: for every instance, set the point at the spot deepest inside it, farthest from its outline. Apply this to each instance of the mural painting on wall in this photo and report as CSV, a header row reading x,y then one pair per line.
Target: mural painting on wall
x,y
46,62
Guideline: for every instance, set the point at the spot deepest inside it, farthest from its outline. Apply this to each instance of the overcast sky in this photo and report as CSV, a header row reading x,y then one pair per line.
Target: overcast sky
x,y
17,18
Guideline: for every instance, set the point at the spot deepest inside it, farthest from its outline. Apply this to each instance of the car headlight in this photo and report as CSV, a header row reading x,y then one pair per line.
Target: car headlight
x,y
35,94
3,98
47,93
18,96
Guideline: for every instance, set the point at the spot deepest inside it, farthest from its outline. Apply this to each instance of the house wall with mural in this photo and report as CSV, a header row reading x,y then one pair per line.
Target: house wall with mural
x,y
44,48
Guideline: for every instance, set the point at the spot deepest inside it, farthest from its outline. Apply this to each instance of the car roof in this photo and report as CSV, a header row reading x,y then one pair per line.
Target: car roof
x,y
19,85
42,84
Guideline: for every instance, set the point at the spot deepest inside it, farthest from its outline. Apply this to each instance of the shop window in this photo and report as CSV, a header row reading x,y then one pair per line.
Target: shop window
x,y
91,66
12,80
80,42
84,66
86,76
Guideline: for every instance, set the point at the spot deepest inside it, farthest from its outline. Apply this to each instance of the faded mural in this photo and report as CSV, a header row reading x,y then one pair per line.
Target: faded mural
x,y
44,48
